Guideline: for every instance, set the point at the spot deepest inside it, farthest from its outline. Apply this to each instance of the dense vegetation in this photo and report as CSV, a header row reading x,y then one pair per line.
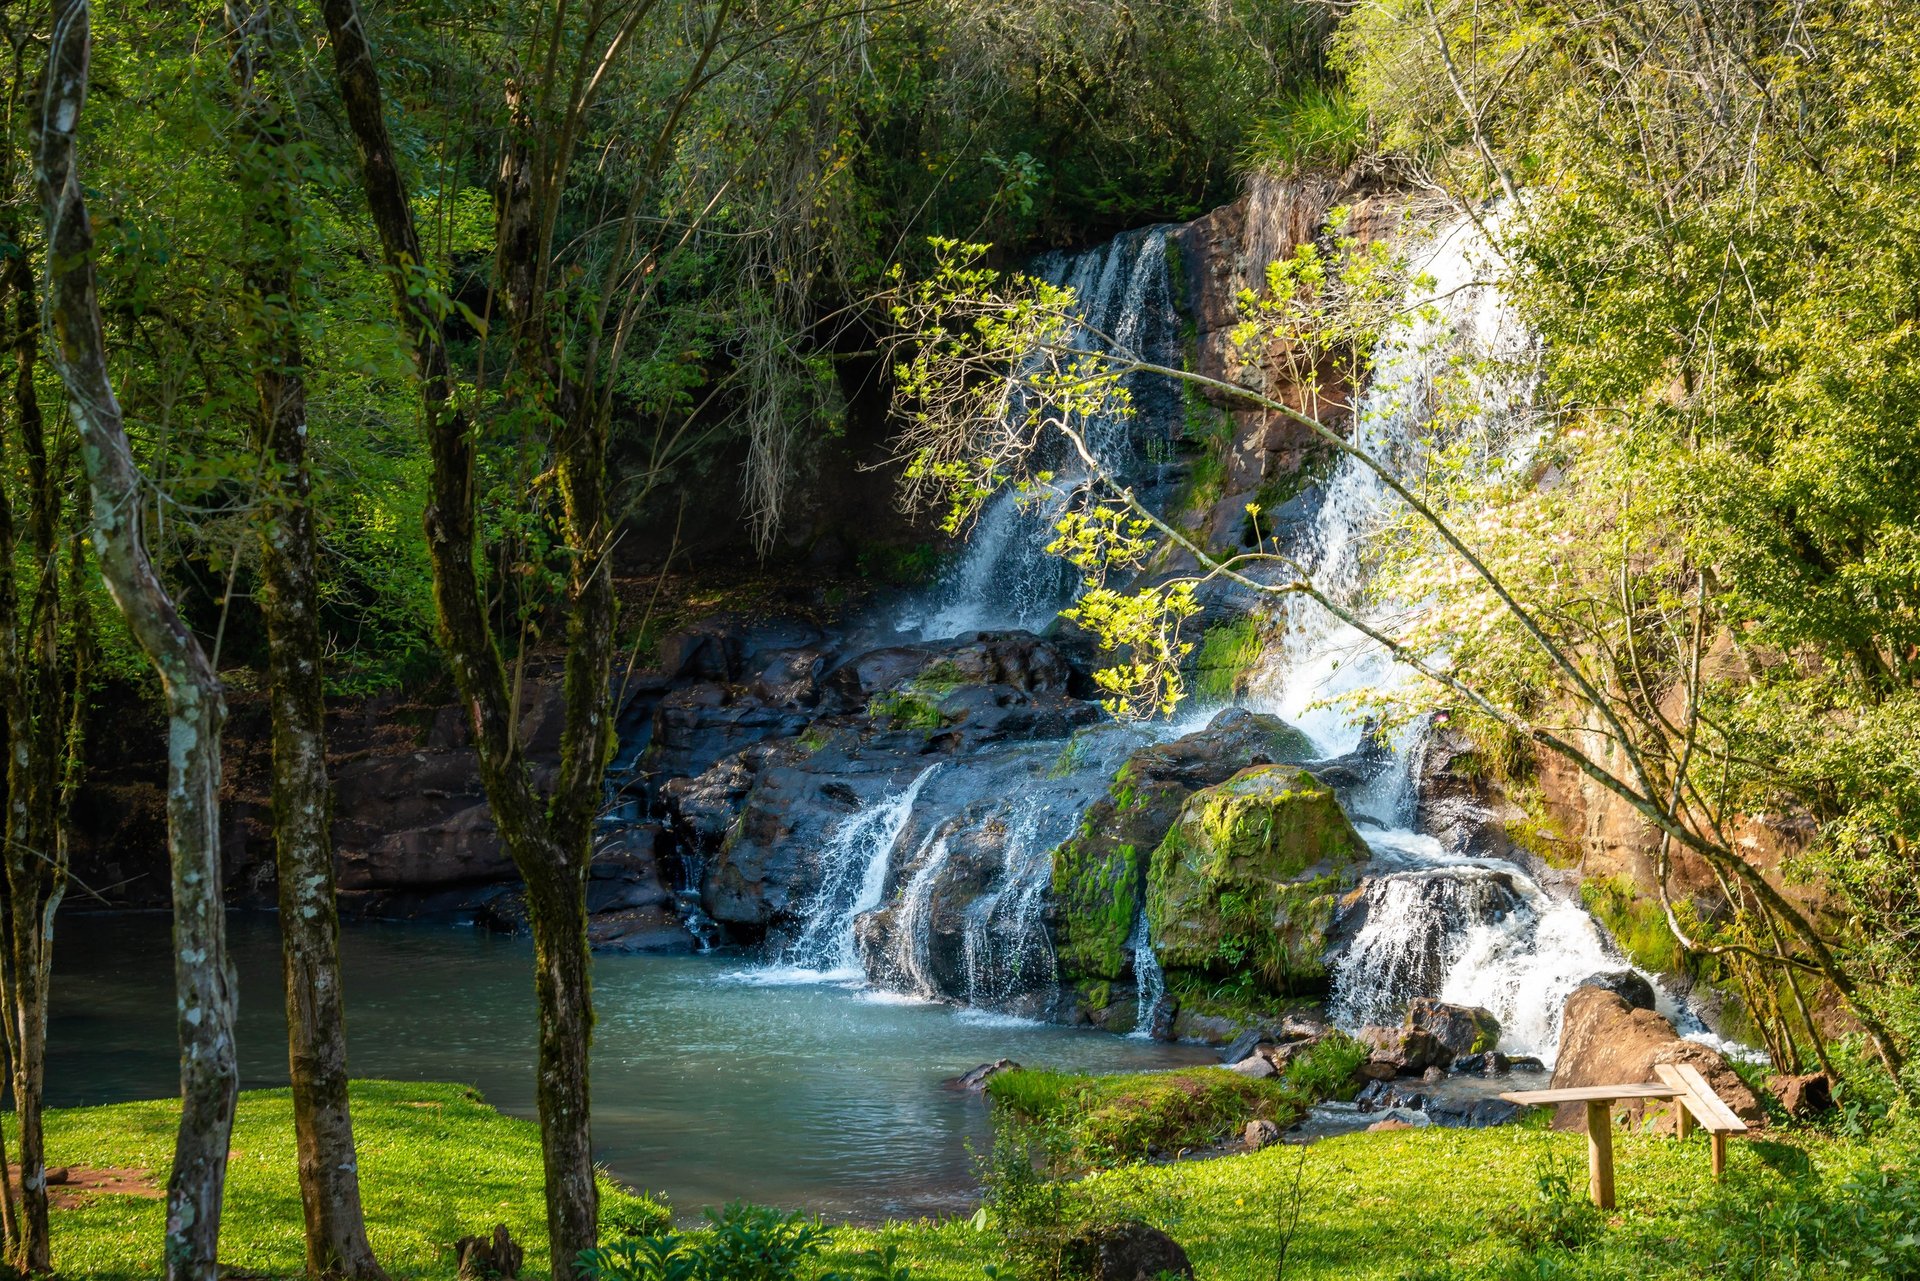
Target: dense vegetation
x,y
357,348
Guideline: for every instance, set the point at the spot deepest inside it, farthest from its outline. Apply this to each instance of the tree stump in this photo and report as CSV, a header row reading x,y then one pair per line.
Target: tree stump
x,y
494,1258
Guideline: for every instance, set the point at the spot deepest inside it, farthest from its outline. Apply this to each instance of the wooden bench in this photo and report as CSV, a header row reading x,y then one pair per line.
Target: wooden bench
x,y
1599,1100
1679,1082
1699,1102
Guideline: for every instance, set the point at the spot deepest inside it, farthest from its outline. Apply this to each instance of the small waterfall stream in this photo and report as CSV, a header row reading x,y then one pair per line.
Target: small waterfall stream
x,y
1003,577
853,880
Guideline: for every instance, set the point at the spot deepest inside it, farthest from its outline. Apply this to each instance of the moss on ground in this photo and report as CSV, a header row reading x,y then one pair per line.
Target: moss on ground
x,y
1111,1119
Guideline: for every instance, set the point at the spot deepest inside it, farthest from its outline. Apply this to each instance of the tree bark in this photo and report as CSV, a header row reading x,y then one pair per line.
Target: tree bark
x,y
549,837
35,863
209,1078
336,1230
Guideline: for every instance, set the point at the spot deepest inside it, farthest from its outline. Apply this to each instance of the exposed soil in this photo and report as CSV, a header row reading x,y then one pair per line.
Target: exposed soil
x,y
70,1186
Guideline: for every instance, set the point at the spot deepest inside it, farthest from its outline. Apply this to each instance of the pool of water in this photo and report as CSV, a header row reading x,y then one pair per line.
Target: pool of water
x,y
709,1082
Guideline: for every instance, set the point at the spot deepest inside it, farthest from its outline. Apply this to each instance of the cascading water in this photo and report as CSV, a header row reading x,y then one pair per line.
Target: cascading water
x,y
1004,577
1475,931
853,876
1150,984
939,889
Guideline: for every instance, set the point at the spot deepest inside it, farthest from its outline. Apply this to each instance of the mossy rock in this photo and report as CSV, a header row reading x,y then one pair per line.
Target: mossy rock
x,y
1100,873
1246,883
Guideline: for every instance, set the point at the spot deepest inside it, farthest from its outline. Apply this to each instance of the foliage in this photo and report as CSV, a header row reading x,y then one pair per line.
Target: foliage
x,y
1317,126
740,1243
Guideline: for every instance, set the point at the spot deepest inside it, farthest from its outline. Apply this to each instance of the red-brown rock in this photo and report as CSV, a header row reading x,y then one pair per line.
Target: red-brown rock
x,y
1605,1041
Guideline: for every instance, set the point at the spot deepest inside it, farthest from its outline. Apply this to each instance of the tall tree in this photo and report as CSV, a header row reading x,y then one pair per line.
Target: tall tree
x,y
196,708
38,695
266,154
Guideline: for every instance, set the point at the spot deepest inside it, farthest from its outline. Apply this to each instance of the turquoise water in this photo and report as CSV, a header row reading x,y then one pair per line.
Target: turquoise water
x,y
711,1082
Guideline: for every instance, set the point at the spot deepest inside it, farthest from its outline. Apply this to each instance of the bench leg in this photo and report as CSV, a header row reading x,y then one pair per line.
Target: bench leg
x,y
1719,1158
1682,1119
1600,1152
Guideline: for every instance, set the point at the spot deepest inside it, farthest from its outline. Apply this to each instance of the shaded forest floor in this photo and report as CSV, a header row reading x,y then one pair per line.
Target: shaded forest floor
x,y
1420,1205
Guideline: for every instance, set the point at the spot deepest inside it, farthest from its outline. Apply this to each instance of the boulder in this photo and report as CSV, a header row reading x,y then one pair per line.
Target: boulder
x,y
1490,1063
1260,1134
1100,873
1246,883
1407,1051
1390,1123
1248,1042
1257,1066
1625,984
1804,1096
1128,1251
1463,1029
1605,1041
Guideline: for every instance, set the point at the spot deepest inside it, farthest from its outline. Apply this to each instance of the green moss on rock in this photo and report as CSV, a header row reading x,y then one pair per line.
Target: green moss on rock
x,y
1100,874
1247,881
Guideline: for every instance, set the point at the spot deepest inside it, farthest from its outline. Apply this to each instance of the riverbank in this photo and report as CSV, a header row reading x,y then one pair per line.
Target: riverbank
x,y
439,1163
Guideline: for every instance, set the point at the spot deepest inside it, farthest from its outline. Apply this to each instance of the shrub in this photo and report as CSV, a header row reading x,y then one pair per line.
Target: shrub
x,y
741,1243
1316,126
1325,1070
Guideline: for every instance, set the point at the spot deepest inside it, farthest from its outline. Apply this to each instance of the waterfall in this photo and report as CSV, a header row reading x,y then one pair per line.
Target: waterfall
x,y
853,877
1469,931
1004,578
1006,950
1150,984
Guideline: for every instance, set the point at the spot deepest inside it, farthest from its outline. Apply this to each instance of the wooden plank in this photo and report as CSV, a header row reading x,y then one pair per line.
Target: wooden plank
x,y
1595,1094
1682,1106
1712,1110
1600,1151
1719,1157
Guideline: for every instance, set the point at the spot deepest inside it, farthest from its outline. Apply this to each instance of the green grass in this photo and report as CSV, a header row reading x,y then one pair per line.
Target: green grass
x,y
436,1164
1427,1205
1430,1204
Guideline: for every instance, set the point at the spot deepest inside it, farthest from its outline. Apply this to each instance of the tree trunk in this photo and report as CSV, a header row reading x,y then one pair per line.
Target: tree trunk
x,y
549,838
35,863
209,1078
336,1228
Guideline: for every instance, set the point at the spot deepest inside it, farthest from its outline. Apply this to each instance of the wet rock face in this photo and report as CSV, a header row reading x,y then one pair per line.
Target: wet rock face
x,y
1100,874
1248,879
755,820
1605,1041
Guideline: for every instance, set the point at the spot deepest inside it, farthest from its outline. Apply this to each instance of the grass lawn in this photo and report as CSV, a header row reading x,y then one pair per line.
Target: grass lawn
x,y
438,1163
